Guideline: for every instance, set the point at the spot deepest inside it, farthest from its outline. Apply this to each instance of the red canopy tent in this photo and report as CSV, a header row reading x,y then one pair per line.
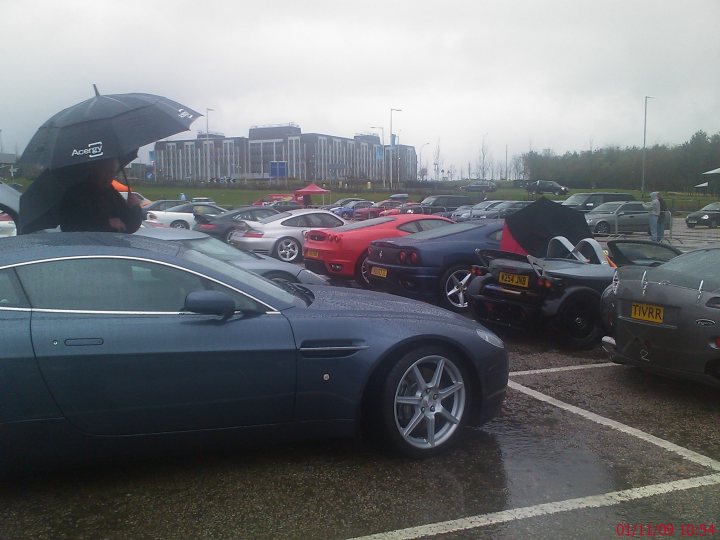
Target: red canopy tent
x,y
310,189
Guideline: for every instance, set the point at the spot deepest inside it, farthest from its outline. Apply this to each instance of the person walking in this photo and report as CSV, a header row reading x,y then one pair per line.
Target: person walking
x,y
654,209
663,219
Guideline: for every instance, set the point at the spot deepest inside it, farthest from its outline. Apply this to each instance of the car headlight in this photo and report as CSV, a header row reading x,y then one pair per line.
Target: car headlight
x,y
590,221
705,216
466,214
491,338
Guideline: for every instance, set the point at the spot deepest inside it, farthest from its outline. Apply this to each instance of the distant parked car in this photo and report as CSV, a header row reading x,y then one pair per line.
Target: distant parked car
x,y
202,200
483,186
342,252
432,265
283,235
439,204
348,211
340,202
584,202
404,208
708,216
546,186
9,210
285,206
161,205
374,211
478,210
221,226
183,215
499,211
619,218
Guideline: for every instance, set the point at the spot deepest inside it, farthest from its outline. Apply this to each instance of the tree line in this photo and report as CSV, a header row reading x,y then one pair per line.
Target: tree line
x,y
667,168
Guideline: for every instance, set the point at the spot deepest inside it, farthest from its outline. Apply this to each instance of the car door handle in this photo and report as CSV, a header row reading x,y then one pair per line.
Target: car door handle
x,y
83,342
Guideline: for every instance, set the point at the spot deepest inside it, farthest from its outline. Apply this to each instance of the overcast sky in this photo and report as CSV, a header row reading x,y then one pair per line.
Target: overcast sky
x,y
523,74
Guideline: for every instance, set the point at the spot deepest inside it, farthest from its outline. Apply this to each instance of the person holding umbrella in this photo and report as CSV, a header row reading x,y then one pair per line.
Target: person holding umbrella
x,y
93,204
81,148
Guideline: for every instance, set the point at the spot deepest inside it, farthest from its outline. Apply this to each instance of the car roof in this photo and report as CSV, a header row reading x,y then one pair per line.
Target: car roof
x,y
169,233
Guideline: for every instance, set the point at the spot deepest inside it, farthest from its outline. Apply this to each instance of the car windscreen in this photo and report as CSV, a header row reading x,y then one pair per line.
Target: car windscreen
x,y
606,208
691,269
239,274
217,249
428,201
275,217
506,204
447,230
575,199
485,205
713,207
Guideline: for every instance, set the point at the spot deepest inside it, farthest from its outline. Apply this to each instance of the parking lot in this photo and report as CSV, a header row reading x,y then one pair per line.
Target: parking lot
x,y
582,448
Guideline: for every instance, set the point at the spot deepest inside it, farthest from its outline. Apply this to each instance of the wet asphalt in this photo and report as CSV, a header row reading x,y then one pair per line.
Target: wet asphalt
x,y
532,454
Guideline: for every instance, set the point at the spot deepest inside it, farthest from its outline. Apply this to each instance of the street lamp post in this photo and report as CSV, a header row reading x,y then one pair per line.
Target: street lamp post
x,y
207,142
382,132
642,180
421,149
392,140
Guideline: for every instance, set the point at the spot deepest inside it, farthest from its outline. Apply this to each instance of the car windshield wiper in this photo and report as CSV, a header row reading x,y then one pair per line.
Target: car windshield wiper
x,y
297,290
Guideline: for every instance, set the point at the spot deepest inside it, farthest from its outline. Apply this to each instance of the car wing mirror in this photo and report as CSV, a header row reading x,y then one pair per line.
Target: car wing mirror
x,y
210,303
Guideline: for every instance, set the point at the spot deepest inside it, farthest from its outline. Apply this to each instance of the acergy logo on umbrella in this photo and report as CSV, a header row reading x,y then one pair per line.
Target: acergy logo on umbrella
x,y
118,125
93,150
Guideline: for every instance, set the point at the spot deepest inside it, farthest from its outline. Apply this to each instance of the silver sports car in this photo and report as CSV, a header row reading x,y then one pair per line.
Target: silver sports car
x,y
667,318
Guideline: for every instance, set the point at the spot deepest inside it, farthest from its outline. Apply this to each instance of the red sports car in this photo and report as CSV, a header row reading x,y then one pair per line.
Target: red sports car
x,y
342,251
395,211
374,210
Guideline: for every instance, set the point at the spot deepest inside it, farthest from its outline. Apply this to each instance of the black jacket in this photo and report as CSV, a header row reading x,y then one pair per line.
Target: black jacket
x,y
87,207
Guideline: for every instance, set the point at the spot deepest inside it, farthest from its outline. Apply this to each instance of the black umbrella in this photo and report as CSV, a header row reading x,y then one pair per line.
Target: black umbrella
x,y
532,227
105,127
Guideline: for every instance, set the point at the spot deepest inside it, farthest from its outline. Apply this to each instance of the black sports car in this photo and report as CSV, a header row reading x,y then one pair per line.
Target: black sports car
x,y
562,290
223,225
708,216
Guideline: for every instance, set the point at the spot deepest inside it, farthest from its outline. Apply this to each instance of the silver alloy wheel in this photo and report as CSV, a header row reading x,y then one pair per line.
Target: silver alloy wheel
x,y
179,224
429,402
288,250
456,287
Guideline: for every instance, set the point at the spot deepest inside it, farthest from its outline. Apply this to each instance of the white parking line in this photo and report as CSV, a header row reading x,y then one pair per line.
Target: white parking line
x,y
564,368
593,501
665,445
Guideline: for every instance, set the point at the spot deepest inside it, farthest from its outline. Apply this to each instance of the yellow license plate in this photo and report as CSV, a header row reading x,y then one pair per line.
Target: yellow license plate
x,y
379,272
516,280
312,253
647,312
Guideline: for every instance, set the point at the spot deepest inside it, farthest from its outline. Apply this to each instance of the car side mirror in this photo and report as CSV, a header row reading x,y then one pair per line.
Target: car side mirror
x,y
210,303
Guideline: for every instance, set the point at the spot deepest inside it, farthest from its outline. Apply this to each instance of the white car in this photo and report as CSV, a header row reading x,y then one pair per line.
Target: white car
x,y
9,209
183,215
283,235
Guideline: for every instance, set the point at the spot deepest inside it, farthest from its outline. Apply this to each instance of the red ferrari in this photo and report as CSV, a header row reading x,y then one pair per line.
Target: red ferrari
x,y
342,252
374,210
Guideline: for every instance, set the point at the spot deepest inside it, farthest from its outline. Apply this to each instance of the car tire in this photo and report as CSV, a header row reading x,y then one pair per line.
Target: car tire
x,y
228,235
179,224
578,324
287,250
417,420
453,288
361,271
602,228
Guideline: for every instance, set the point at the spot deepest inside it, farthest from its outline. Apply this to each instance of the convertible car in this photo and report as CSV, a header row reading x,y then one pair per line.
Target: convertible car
x,y
112,340
665,318
561,290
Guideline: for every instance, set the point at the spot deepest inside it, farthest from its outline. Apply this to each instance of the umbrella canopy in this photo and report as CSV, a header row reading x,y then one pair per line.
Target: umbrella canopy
x,y
311,189
528,231
105,127
714,171
703,185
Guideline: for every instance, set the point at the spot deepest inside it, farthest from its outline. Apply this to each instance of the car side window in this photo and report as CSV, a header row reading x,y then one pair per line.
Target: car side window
x,y
296,221
11,294
108,284
326,220
633,207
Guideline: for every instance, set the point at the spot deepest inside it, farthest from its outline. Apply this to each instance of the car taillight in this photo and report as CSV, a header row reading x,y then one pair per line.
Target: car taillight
x,y
151,215
414,257
253,234
402,257
548,282
478,271
205,226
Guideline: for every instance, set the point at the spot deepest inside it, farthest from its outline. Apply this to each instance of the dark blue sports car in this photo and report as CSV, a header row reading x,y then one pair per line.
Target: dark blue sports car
x,y
111,338
432,265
